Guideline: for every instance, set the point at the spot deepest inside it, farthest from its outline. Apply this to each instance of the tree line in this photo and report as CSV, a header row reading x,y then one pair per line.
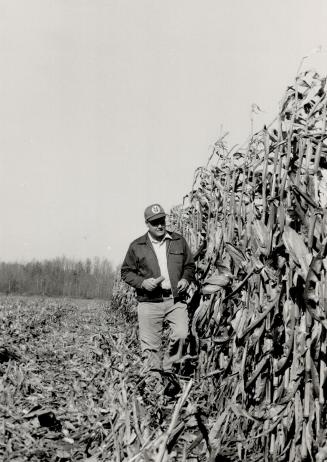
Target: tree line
x,y
59,277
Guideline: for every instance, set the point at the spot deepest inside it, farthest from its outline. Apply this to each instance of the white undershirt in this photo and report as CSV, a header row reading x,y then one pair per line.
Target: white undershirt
x,y
159,248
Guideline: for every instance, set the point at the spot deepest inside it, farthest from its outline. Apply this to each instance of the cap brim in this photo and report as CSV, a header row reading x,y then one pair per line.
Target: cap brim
x,y
156,217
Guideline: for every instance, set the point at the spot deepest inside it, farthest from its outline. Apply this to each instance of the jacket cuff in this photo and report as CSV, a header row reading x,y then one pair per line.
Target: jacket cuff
x,y
139,283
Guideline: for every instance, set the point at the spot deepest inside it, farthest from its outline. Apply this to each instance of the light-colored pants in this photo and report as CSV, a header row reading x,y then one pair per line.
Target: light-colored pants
x,y
151,317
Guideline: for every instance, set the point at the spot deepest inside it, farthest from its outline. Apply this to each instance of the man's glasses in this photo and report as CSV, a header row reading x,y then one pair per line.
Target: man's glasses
x,y
159,222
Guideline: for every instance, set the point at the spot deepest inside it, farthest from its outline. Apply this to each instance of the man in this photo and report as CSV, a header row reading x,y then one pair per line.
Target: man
x,y
160,266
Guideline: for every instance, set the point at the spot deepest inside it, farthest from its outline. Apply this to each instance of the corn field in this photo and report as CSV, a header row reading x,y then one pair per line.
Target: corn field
x,y
255,219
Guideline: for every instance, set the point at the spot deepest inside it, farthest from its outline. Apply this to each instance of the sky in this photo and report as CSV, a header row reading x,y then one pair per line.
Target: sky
x,y
107,106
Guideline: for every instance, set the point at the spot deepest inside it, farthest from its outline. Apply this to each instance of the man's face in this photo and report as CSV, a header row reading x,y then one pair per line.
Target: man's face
x,y
157,228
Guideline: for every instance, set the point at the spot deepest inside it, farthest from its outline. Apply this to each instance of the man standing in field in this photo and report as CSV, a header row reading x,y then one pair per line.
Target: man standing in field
x,y
160,266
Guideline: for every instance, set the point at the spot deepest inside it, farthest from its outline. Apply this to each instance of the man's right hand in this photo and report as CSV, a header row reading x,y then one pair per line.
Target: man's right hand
x,y
151,283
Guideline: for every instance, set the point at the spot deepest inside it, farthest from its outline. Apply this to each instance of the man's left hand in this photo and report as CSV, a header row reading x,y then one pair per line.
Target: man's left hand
x,y
182,285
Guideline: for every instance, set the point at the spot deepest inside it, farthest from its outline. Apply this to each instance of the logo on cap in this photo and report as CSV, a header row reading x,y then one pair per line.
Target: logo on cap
x,y
155,209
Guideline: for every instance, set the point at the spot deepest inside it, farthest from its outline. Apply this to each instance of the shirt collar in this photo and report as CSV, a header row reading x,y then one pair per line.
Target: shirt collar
x,y
154,241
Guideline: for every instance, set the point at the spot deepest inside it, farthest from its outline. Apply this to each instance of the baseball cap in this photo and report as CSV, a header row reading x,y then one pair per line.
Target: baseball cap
x,y
154,211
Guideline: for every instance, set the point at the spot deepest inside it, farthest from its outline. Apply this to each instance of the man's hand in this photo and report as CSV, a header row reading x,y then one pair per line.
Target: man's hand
x,y
151,283
182,285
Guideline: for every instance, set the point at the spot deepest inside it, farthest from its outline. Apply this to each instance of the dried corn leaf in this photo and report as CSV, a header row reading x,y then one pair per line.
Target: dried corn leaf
x,y
297,249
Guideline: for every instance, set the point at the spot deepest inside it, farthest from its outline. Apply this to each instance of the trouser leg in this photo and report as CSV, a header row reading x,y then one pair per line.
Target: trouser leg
x,y
150,318
177,317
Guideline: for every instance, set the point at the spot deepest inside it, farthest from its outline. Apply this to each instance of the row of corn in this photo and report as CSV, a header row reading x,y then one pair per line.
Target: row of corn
x,y
256,221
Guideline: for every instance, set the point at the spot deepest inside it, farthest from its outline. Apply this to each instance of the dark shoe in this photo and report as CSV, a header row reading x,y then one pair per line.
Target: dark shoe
x,y
172,389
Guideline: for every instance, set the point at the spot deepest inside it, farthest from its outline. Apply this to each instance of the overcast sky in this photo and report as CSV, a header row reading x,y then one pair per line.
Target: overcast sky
x,y
107,106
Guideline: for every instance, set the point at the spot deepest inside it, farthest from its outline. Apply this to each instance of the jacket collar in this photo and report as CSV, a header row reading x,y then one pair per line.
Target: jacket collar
x,y
166,236
145,238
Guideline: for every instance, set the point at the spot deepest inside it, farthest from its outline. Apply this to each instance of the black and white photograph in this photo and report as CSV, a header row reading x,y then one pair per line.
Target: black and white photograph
x,y
163,231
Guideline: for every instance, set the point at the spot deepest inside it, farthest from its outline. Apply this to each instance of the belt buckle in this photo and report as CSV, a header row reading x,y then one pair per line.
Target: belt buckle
x,y
166,293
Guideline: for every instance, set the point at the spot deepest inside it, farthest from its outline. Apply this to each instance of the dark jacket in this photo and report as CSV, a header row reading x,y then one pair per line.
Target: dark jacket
x,y
141,263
